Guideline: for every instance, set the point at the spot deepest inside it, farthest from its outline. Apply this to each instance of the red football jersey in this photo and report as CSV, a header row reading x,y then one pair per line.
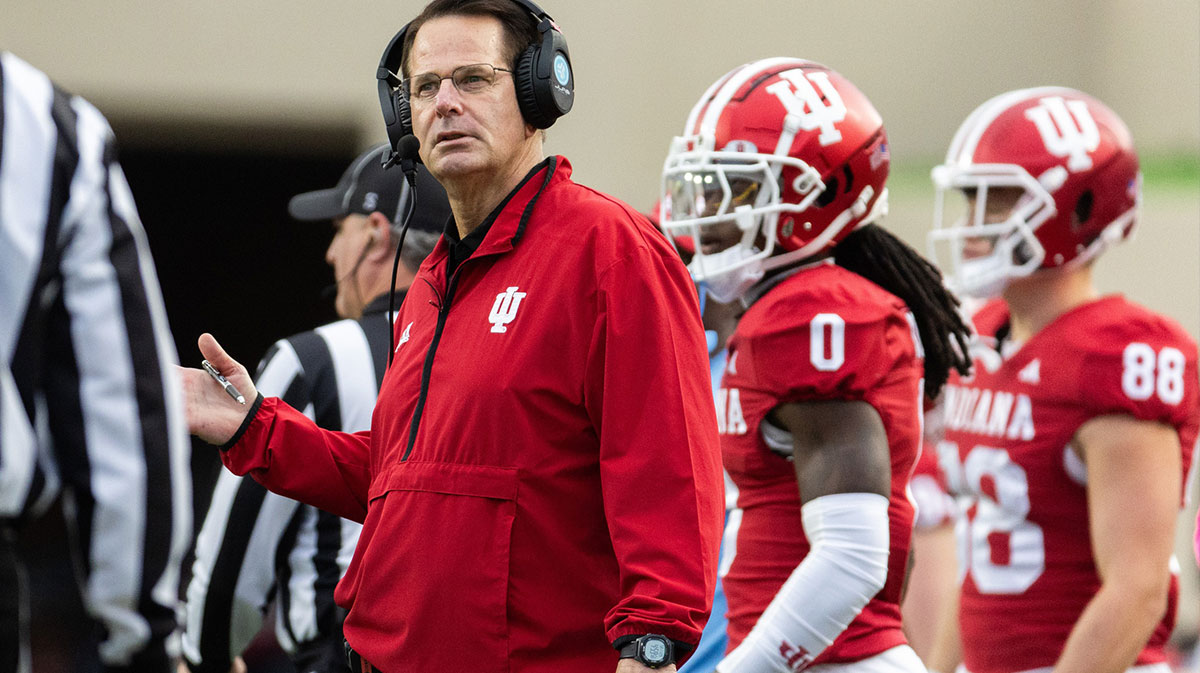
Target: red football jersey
x,y
823,334
1023,544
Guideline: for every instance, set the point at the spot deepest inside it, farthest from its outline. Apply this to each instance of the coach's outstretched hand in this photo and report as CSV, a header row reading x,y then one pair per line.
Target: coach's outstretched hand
x,y
212,414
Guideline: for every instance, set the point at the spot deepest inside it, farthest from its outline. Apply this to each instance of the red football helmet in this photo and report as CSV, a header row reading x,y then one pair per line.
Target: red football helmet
x,y
781,153
1068,164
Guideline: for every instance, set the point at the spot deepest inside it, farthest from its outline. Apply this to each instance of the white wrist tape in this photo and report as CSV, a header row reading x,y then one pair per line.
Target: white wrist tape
x,y
845,567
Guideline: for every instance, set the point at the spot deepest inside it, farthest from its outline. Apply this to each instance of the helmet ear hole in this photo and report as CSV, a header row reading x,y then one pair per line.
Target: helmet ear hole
x,y
1083,209
1022,253
831,191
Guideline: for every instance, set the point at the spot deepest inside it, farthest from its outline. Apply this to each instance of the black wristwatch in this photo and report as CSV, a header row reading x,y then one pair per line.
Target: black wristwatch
x,y
650,650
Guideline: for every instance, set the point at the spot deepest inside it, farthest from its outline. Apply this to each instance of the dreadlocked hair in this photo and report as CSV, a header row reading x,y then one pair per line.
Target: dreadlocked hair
x,y
877,255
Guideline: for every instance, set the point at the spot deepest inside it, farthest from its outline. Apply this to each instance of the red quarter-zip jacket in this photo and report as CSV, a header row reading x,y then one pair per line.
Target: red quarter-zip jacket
x,y
542,474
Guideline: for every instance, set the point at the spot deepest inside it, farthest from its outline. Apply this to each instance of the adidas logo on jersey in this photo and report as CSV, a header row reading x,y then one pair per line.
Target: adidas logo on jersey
x,y
1031,374
986,412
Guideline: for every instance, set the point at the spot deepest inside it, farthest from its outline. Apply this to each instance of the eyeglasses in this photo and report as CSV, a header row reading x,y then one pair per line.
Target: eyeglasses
x,y
474,78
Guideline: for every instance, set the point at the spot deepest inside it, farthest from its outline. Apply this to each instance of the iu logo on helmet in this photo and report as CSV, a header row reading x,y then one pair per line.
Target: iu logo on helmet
x,y
1068,130
504,310
802,101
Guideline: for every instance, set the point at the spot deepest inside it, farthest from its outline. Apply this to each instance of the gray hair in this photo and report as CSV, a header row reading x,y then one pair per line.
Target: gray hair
x,y
417,246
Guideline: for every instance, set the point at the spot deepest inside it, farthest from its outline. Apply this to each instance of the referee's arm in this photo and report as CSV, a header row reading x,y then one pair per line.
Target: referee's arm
x,y
86,338
114,400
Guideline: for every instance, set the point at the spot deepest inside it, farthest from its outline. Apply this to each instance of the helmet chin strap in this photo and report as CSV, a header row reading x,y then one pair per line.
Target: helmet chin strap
x,y
982,278
1015,255
732,284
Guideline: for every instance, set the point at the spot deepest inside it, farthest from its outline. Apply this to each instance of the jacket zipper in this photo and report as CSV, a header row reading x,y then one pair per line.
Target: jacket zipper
x,y
427,369
444,311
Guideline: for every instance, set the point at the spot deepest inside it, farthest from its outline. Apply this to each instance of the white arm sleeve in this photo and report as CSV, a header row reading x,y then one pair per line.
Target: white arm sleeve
x,y
845,567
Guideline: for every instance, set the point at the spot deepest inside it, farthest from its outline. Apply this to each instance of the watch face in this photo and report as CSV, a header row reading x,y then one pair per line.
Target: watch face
x,y
655,651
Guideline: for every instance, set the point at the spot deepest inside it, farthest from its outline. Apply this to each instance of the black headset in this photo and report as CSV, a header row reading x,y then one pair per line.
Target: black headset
x,y
543,78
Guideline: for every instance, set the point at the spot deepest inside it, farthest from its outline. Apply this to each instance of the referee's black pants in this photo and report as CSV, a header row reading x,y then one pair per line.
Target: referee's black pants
x,y
14,624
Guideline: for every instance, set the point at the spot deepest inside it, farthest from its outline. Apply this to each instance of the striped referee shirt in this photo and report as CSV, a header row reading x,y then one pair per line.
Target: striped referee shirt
x,y
20,474
255,544
84,331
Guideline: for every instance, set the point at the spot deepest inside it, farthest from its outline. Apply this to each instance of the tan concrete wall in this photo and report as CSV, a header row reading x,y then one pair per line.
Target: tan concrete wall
x,y
640,63
239,70
301,66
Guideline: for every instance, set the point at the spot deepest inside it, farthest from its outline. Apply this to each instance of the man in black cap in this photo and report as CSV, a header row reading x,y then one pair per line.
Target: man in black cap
x,y
367,208
255,544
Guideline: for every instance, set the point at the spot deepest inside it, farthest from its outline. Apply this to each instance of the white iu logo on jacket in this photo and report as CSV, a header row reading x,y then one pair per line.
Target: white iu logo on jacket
x,y
504,310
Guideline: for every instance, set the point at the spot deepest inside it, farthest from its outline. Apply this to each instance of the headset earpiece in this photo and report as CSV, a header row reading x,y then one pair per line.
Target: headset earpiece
x,y
403,115
396,115
526,84
543,77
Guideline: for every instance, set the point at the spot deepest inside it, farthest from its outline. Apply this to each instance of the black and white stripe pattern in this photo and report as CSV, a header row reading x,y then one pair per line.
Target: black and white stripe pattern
x,y
83,327
256,545
21,478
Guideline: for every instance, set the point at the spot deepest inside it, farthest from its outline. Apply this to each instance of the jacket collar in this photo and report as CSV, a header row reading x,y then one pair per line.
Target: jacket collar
x,y
380,304
506,224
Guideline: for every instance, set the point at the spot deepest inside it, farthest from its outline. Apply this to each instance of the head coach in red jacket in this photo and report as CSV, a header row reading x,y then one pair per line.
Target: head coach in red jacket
x,y
540,489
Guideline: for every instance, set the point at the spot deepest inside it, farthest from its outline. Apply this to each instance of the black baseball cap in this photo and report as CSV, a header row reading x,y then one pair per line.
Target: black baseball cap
x,y
366,187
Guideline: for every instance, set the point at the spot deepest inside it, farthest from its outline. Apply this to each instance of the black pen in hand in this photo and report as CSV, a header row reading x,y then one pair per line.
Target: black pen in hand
x,y
233,392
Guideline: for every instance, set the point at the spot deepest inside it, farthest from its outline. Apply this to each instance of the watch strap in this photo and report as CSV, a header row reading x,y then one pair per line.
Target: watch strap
x,y
634,647
680,648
